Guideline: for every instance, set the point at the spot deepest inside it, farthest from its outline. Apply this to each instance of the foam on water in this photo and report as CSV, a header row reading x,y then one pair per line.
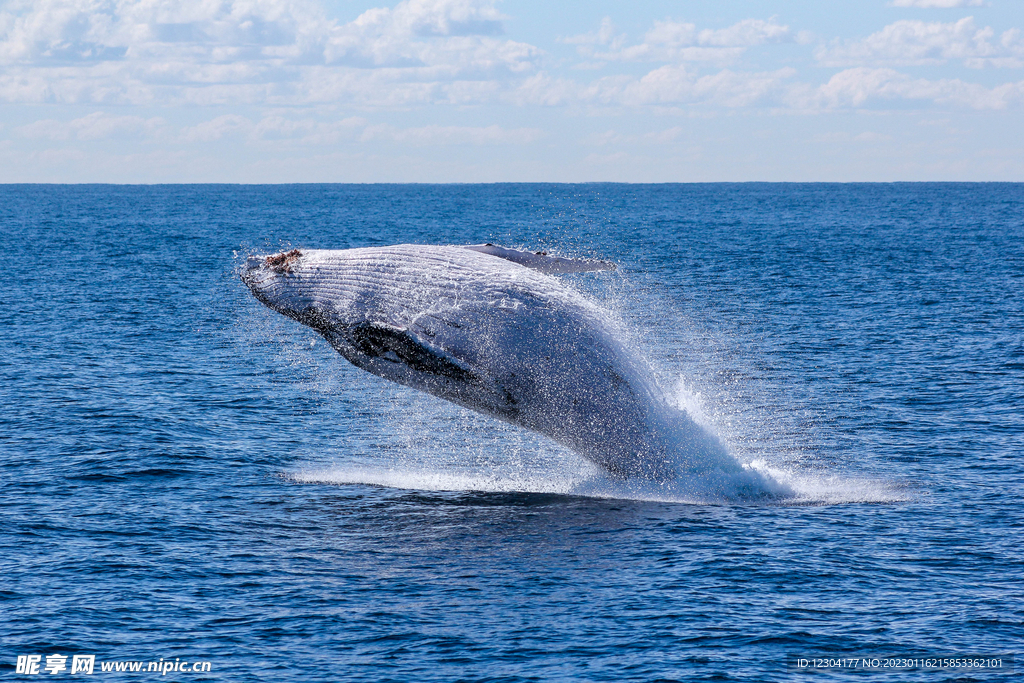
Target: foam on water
x,y
808,489
436,446
787,482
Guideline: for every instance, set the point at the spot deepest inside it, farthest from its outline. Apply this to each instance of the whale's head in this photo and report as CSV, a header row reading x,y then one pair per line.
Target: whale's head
x,y
292,283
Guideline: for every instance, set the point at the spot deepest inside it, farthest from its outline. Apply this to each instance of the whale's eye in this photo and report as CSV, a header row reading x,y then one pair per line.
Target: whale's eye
x,y
282,263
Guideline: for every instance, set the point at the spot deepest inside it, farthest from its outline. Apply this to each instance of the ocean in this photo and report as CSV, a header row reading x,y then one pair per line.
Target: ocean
x,y
189,477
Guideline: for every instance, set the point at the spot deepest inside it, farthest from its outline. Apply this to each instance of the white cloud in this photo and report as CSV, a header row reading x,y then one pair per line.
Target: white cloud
x,y
433,18
191,31
674,41
611,137
676,85
745,34
257,51
669,85
95,126
452,34
938,3
275,129
922,43
663,136
861,86
453,135
306,131
209,131
605,36
289,54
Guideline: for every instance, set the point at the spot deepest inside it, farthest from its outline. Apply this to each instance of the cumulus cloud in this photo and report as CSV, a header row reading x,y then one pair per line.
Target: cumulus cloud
x,y
69,32
861,86
680,41
676,85
921,43
195,51
399,37
670,85
288,53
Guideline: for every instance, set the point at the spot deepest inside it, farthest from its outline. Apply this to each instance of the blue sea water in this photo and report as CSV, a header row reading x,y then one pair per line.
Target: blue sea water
x,y
187,475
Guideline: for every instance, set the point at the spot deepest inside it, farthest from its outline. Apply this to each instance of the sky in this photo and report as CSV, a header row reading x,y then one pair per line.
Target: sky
x,y
269,91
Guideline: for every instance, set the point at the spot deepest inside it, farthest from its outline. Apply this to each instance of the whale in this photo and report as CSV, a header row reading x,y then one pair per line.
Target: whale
x,y
494,330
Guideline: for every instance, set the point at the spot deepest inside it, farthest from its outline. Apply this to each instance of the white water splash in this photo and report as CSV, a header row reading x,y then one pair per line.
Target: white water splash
x,y
431,445
588,481
437,446
791,482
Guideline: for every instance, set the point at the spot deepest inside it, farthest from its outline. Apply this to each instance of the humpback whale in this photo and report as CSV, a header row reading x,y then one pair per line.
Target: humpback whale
x,y
492,329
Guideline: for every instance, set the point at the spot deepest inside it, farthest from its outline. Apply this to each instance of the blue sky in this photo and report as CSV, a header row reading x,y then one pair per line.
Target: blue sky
x,y
481,91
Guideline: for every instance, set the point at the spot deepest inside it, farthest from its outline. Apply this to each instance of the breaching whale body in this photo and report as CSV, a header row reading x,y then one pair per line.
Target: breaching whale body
x,y
492,330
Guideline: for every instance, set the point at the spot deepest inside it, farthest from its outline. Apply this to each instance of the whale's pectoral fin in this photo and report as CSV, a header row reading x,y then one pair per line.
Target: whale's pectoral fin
x,y
541,261
380,340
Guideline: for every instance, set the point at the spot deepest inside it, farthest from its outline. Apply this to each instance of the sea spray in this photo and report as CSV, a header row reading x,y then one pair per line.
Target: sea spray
x,y
443,447
541,355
